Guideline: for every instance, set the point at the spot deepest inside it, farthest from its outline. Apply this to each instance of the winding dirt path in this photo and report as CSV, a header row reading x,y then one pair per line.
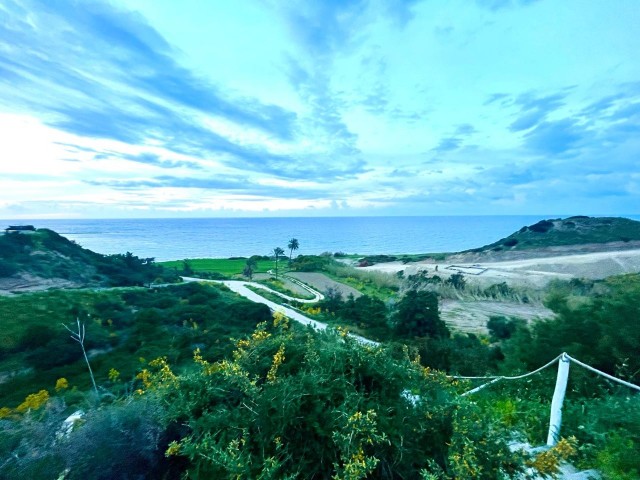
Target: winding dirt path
x,y
241,288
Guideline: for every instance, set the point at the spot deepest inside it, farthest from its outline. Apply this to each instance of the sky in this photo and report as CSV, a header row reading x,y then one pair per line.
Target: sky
x,y
158,108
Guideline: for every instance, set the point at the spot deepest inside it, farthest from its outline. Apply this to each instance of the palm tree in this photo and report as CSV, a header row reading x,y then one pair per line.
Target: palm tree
x,y
293,245
277,252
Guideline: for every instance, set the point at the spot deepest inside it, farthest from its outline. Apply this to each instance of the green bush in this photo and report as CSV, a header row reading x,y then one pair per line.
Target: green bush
x,y
293,404
417,315
7,268
124,440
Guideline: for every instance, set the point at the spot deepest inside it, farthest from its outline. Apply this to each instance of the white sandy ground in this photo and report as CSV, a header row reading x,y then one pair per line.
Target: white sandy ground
x,y
535,272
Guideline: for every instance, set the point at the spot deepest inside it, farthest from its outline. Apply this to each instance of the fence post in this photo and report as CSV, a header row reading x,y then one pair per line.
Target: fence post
x,y
555,419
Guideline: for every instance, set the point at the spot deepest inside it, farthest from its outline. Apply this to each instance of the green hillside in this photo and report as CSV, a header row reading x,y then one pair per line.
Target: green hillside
x,y
44,254
578,230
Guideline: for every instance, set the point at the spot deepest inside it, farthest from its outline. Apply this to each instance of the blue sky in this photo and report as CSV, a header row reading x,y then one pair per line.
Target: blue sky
x,y
158,108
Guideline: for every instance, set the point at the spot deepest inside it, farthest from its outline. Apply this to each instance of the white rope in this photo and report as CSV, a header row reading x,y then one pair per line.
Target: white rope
x,y
610,377
501,377
477,389
497,378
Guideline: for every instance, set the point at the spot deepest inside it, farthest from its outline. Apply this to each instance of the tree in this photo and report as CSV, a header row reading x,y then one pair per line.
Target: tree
x,y
292,245
417,316
249,268
457,281
502,328
277,252
332,300
187,270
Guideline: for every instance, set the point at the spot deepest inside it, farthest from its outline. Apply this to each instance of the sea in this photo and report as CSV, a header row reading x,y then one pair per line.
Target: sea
x,y
181,238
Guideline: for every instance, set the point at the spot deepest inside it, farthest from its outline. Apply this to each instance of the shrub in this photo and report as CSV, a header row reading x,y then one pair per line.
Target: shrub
x,y
291,404
7,268
542,226
417,315
502,328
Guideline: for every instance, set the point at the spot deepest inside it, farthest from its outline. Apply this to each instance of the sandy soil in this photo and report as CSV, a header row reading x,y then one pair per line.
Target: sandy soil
x,y
31,283
321,282
472,316
536,271
297,289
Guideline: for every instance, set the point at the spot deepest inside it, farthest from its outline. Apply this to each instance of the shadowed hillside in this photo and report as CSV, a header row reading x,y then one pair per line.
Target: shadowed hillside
x,y
42,258
579,230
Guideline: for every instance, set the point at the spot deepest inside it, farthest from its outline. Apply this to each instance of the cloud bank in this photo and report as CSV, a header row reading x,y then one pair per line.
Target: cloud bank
x,y
330,108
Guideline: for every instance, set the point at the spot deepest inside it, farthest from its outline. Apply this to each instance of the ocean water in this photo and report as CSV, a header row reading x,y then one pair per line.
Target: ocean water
x,y
175,239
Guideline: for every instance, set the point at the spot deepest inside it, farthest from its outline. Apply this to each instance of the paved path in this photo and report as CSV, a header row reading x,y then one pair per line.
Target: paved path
x,y
241,288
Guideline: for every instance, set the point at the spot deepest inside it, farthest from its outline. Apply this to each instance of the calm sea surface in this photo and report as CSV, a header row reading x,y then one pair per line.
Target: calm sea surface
x,y
171,239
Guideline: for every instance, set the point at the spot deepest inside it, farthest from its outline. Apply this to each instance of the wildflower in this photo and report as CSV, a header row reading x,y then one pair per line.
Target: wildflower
x,y
62,384
278,358
174,449
114,375
33,401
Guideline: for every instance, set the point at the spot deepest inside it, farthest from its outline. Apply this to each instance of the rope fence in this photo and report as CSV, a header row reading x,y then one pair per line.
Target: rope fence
x,y
563,360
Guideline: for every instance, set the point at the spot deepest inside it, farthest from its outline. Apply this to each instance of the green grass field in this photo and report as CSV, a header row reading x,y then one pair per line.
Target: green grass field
x,y
225,266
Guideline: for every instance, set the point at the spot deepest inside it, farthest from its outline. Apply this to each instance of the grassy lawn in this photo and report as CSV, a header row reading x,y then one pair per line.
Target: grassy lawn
x,y
225,266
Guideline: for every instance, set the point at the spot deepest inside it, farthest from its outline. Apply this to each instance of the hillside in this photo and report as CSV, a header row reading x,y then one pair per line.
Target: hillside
x,y
42,258
571,231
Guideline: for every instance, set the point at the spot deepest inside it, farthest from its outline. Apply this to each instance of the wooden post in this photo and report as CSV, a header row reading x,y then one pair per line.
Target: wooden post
x,y
555,420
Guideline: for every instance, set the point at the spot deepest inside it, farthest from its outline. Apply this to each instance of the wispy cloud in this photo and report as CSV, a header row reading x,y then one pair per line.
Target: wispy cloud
x,y
387,104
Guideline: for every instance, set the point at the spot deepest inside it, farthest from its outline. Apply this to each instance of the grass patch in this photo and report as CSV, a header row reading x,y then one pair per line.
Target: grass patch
x,y
226,266
376,284
280,286
268,295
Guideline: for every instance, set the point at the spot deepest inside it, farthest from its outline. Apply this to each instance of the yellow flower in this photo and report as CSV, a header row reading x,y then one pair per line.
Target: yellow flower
x,y
145,376
260,335
114,375
33,401
278,358
62,384
566,447
174,449
280,319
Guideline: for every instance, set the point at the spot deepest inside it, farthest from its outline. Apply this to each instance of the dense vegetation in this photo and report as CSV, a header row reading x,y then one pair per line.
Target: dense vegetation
x,y
124,328
578,230
195,381
287,403
44,253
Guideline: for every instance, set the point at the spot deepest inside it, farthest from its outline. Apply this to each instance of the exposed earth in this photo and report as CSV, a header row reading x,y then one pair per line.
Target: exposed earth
x,y
533,268
26,282
322,283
